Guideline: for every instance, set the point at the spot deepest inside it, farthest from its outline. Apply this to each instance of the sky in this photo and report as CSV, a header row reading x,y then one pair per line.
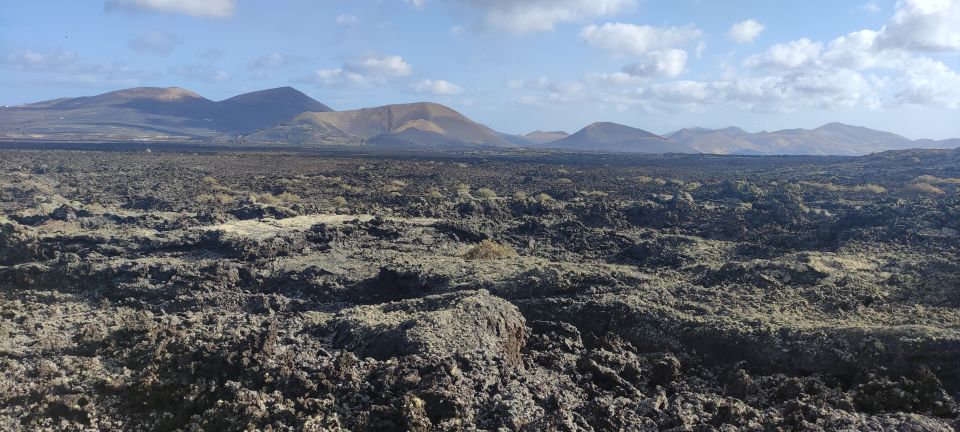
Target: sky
x,y
516,65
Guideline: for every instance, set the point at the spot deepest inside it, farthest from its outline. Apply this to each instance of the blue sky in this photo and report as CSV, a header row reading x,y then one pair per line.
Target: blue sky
x,y
516,65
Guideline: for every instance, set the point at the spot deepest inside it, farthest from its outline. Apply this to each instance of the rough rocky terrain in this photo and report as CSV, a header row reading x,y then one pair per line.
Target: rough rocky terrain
x,y
177,291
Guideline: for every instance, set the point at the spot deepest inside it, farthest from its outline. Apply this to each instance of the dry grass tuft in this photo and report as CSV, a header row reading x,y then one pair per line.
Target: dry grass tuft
x,y
214,199
545,199
434,193
925,188
271,199
866,188
486,193
489,250
933,180
650,180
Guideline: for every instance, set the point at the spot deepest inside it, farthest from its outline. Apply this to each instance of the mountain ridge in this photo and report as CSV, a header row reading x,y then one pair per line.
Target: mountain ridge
x,y
286,115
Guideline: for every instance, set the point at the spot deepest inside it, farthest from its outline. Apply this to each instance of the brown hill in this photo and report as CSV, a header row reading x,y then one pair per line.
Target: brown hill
x,y
543,137
153,113
427,124
612,137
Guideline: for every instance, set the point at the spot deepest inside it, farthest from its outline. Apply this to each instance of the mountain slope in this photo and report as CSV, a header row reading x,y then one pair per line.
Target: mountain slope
x,y
427,124
259,109
543,137
829,139
153,113
612,137
720,141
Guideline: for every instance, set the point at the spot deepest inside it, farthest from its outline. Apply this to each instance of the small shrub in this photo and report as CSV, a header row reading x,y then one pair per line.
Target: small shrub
x,y
214,199
463,190
830,187
596,193
339,201
489,250
543,198
651,180
933,180
925,188
271,199
486,193
872,188
434,193
288,197
264,198
520,195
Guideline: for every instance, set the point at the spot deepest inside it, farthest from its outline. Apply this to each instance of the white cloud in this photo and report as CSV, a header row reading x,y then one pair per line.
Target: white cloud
x,y
634,40
346,19
197,8
62,66
199,73
930,83
870,7
667,63
923,25
436,87
364,72
858,50
789,55
384,67
160,43
745,31
681,91
529,16
275,60
212,54
41,60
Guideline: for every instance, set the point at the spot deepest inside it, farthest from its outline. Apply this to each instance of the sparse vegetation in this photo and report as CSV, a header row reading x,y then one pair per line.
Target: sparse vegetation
x,y
831,187
489,250
434,193
925,188
271,199
937,181
650,180
215,199
463,190
486,193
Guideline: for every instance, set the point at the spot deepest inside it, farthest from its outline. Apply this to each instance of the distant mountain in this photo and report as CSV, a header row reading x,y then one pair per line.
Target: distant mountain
x,y
153,113
715,141
417,124
287,116
259,109
612,137
542,137
829,139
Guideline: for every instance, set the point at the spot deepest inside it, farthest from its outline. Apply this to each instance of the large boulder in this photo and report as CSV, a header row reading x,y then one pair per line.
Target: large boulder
x,y
460,323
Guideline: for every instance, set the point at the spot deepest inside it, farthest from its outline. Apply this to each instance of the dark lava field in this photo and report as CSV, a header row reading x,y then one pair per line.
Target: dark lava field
x,y
172,291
